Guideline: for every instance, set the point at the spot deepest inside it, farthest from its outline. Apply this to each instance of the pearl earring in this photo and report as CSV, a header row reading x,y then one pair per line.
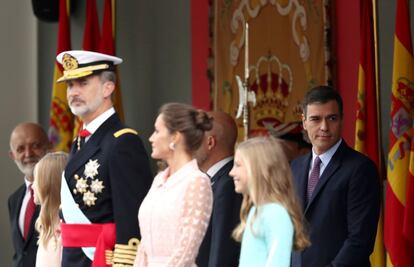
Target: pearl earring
x,y
171,146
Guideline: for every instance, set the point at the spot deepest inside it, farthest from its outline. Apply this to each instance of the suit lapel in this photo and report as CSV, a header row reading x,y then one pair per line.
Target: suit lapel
x,y
223,170
73,148
18,233
80,158
90,148
22,192
329,172
303,173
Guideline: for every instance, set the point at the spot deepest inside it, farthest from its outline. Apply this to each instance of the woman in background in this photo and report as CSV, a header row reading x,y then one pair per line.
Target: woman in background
x,y
174,216
46,188
271,221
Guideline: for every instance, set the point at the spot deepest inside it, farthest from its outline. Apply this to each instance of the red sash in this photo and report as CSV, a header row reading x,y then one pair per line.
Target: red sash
x,y
100,236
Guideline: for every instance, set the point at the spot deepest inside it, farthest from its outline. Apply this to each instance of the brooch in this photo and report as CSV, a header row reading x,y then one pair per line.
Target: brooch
x,y
89,185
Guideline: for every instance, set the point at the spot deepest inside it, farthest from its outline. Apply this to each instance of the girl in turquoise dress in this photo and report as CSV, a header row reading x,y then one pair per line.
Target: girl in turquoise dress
x,y
271,221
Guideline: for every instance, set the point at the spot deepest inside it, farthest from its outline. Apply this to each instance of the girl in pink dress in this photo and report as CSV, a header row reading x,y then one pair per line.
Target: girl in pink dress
x,y
46,188
174,215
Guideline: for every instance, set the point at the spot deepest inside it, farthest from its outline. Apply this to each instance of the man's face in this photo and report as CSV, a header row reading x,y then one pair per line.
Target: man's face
x,y
323,122
85,95
27,147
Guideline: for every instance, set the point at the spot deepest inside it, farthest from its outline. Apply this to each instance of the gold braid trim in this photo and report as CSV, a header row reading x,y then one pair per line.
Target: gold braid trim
x,y
124,131
124,255
109,257
81,72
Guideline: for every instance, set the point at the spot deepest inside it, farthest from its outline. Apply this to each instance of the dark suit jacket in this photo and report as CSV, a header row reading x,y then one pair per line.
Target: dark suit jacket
x,y
125,173
218,248
342,212
24,250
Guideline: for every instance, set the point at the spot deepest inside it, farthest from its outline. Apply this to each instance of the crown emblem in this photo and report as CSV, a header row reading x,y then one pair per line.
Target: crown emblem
x,y
272,84
69,62
405,91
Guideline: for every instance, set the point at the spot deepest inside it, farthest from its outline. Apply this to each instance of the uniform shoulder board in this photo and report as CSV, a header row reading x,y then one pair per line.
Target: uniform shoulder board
x,y
124,131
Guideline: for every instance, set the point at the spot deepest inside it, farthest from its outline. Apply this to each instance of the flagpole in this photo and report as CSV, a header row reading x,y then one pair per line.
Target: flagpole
x,y
246,82
113,9
68,7
215,53
377,87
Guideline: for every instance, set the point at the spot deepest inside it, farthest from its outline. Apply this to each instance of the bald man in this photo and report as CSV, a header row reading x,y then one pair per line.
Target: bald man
x,y
215,157
28,144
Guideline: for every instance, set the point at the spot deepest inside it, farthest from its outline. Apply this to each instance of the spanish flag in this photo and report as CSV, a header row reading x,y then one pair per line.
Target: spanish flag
x,y
368,113
61,118
399,210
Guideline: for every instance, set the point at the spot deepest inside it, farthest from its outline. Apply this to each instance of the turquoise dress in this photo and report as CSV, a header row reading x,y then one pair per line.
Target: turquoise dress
x,y
270,242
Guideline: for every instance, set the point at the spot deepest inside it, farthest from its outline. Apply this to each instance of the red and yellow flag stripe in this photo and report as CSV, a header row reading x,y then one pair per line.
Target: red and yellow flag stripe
x,y
61,118
367,111
399,217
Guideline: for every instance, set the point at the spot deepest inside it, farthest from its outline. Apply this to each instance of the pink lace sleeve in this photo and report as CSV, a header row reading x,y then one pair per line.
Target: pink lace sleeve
x,y
196,215
141,258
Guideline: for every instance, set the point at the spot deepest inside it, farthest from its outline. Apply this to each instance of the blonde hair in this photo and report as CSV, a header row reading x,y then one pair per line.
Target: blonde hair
x,y
48,173
269,180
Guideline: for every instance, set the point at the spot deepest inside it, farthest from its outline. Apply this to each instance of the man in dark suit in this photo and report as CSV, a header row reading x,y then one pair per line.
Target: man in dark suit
x,y
215,157
338,187
28,144
107,175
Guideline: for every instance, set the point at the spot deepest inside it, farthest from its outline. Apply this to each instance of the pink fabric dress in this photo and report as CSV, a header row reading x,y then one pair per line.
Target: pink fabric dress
x,y
49,255
174,217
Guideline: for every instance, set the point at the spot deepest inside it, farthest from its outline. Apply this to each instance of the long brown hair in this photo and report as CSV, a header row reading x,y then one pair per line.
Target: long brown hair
x,y
47,177
269,180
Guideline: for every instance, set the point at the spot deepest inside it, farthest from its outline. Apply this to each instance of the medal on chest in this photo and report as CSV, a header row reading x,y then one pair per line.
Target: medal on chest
x,y
89,184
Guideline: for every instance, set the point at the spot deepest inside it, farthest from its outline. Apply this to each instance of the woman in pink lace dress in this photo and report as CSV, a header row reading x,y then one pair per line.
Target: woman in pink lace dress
x,y
174,215
46,187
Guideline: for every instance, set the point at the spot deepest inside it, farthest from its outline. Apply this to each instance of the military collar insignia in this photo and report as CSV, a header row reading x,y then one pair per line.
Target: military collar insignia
x,y
89,185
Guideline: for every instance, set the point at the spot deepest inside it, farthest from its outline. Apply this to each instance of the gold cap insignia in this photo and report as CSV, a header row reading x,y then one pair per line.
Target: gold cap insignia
x,y
69,62
79,63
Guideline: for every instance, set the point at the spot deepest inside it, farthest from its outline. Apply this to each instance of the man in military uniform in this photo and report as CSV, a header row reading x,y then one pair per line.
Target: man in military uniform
x,y
108,173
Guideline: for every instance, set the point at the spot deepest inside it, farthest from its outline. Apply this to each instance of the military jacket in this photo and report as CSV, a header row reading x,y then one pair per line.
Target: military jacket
x,y
108,177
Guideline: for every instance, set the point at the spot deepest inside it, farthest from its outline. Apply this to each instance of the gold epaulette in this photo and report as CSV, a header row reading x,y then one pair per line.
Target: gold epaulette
x,y
124,131
124,255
